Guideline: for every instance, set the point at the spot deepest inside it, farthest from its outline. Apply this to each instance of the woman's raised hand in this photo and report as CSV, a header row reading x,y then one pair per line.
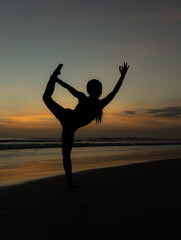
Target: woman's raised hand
x,y
123,69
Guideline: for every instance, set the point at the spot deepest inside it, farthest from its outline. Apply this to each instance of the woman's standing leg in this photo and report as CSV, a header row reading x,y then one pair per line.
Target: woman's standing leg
x,y
67,144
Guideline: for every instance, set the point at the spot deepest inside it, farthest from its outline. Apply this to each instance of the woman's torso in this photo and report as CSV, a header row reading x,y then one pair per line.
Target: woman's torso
x,y
86,111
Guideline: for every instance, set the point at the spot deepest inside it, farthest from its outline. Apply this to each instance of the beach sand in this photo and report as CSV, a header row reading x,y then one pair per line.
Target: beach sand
x,y
137,201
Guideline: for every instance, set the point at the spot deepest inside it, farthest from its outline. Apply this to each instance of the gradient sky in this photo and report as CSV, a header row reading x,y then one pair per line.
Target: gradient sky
x,y
91,38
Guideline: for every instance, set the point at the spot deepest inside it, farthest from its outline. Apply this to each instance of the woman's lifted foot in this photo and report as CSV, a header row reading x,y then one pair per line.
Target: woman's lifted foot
x,y
57,70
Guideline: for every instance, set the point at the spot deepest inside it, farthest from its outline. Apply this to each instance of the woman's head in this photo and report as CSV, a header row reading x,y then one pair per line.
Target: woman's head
x,y
94,88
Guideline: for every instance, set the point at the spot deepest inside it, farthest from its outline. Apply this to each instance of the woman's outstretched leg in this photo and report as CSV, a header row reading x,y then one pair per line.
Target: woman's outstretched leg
x,y
67,144
51,84
56,109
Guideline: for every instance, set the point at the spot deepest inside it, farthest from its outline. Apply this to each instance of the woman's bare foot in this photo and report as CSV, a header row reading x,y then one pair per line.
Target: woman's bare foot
x,y
57,70
72,185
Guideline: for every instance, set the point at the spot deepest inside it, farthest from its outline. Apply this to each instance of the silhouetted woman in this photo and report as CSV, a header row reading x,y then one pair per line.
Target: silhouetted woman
x,y
89,108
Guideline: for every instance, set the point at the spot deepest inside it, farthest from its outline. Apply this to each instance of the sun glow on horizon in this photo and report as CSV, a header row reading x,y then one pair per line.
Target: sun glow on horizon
x,y
114,123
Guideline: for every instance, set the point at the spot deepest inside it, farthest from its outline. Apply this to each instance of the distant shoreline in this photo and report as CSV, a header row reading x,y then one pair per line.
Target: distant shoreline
x,y
44,143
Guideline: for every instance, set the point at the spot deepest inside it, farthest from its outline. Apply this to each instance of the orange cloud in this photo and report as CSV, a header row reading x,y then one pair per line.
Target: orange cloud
x,y
29,121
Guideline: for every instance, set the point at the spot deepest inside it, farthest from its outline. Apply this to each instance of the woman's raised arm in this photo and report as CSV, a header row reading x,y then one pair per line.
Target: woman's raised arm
x,y
123,70
72,90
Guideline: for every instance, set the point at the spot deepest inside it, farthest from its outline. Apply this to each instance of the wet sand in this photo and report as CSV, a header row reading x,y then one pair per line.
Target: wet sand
x,y
138,201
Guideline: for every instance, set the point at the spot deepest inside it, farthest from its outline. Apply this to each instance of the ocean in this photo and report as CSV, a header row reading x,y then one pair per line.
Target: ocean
x,y
25,159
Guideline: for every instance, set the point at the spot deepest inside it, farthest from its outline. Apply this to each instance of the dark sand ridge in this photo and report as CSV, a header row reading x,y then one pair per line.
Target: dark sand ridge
x,y
139,201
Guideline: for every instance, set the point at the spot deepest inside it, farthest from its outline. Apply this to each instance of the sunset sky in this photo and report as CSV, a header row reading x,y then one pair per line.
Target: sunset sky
x,y
91,38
